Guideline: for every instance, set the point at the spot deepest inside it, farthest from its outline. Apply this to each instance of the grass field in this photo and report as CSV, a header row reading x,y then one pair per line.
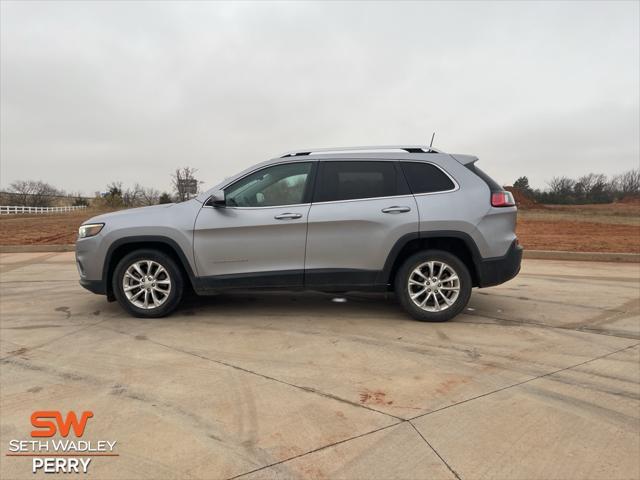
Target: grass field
x,y
583,228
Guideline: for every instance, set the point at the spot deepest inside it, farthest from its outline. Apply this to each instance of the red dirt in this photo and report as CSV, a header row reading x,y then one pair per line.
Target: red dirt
x,y
522,199
576,236
52,229
555,227
631,200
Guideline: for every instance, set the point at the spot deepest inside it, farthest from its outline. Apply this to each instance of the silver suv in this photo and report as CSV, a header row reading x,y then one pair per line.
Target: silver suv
x,y
410,219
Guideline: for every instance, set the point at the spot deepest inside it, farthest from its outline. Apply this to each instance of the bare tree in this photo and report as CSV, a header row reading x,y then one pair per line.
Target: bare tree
x,y
113,198
33,193
185,183
132,197
115,189
628,183
593,187
587,181
593,181
589,188
148,196
561,185
118,196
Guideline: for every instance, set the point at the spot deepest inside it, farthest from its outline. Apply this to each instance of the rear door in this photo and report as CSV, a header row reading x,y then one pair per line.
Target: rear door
x,y
360,209
258,238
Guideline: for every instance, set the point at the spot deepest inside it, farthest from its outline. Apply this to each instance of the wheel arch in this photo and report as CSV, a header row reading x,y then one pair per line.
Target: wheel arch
x,y
124,246
458,243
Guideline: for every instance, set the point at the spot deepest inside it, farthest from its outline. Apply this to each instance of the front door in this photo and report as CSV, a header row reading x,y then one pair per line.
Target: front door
x,y
258,238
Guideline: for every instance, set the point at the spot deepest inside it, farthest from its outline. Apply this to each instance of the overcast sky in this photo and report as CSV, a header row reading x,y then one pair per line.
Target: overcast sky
x,y
98,91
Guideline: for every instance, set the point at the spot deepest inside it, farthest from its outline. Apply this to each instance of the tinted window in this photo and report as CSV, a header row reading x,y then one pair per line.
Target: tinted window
x,y
426,178
271,186
351,180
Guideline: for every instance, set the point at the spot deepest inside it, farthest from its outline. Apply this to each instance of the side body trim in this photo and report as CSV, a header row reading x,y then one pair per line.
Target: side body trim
x,y
284,279
322,279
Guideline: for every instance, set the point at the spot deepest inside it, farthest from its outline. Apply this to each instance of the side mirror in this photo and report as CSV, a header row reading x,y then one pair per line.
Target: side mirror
x,y
217,199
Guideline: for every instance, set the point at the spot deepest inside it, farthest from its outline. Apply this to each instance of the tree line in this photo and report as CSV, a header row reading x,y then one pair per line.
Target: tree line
x,y
590,188
36,193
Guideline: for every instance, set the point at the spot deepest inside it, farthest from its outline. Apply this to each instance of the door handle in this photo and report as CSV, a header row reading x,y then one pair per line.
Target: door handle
x,y
396,209
288,216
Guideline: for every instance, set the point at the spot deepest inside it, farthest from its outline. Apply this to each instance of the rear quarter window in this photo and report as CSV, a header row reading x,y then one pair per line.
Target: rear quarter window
x,y
426,178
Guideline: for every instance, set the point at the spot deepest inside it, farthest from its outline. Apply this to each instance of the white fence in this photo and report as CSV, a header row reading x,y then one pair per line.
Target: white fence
x,y
14,210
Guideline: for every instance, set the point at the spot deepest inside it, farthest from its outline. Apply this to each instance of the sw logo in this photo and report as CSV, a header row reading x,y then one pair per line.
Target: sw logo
x,y
39,420
60,455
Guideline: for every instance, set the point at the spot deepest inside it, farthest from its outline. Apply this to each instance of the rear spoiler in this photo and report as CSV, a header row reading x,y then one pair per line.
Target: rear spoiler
x,y
464,159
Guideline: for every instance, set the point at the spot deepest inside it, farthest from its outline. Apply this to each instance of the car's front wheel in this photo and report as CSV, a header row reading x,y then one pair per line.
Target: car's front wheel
x,y
433,286
147,283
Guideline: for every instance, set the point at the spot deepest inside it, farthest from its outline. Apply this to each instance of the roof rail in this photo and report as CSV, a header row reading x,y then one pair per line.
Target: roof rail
x,y
406,148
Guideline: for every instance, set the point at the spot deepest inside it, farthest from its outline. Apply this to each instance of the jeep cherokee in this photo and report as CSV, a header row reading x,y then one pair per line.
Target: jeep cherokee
x,y
424,224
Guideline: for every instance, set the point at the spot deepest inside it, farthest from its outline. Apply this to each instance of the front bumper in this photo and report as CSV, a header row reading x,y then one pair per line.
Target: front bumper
x,y
89,260
495,271
95,286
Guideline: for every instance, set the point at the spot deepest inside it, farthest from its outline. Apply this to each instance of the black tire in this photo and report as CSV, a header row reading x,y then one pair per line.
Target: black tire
x,y
174,274
401,286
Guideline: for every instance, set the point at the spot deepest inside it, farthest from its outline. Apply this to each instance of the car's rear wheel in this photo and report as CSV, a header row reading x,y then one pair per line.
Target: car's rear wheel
x,y
433,286
148,283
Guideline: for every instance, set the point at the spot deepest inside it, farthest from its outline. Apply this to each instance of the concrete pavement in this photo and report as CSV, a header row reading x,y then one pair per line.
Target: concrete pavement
x,y
540,378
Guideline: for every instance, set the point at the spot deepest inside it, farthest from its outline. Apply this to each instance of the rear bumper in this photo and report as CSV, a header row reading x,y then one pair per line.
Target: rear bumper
x,y
495,271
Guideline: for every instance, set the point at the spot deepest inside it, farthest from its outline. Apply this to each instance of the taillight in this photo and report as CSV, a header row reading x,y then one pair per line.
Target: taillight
x,y
502,199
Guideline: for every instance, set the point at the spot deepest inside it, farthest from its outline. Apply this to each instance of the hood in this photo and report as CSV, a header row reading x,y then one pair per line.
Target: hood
x,y
130,211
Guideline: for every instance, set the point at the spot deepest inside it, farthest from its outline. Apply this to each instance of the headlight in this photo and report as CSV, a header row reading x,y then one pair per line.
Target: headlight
x,y
89,230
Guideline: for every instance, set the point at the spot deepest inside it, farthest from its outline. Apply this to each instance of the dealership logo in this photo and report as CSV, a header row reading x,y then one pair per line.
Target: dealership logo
x,y
61,455
39,420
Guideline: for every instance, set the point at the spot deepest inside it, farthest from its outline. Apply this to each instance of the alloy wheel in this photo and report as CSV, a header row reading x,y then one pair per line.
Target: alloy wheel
x,y
434,286
146,284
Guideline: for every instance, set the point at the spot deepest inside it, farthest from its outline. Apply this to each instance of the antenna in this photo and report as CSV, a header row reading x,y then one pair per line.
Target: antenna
x,y
432,137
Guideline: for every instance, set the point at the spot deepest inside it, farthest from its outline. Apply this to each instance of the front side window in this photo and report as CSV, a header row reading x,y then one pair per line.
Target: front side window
x,y
272,186
353,180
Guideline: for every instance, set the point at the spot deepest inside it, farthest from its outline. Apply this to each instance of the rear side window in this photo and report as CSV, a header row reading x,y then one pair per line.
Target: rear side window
x,y
426,178
353,180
